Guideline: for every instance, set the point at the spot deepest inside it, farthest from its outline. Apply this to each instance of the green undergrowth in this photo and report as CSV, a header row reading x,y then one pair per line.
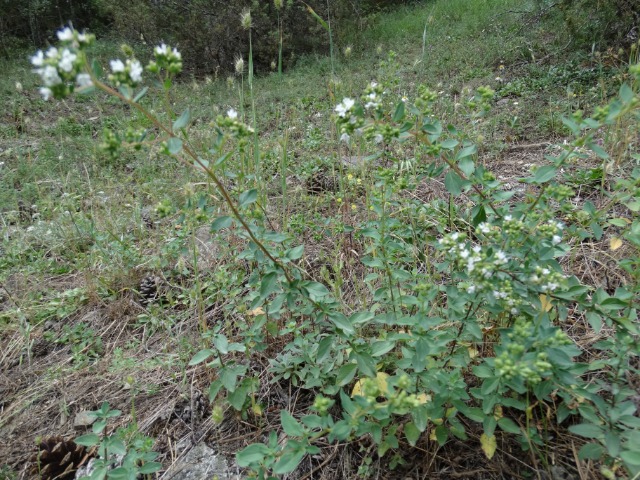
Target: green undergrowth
x,y
367,239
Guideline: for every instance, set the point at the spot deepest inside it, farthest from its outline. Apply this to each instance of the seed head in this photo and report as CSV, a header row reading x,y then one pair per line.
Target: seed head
x,y
245,19
239,65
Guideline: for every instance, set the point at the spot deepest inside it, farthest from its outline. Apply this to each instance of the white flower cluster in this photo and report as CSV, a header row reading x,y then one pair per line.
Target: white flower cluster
x,y
61,68
548,280
167,58
344,108
372,96
349,122
482,266
127,73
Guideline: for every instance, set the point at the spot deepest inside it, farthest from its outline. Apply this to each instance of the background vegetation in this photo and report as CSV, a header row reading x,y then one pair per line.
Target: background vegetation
x,y
340,329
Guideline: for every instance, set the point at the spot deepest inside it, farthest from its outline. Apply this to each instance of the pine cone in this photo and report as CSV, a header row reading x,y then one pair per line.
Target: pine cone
x,y
41,347
322,182
149,288
147,218
57,459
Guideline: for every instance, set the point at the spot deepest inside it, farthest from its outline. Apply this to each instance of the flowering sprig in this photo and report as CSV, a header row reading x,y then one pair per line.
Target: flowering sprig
x,y
372,98
166,58
125,73
62,70
349,119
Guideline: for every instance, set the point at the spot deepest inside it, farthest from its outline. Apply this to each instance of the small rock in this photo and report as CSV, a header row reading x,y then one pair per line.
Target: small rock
x,y
83,419
201,462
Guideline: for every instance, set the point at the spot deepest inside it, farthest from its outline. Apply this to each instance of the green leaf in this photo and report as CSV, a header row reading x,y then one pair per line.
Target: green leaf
x,y
248,197
99,425
449,144
150,467
342,322
288,462
252,454
221,343
453,183
182,120
412,433
587,430
316,289
441,435
269,284
238,397
467,166
220,223
381,347
631,457
96,68
399,113
361,317
466,152
126,91
591,451
324,347
346,374
201,356
141,94
290,425
544,174
509,426
88,440
174,145
295,253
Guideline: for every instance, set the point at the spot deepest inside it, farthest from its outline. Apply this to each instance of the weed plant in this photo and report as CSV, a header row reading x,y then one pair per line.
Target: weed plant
x,y
465,300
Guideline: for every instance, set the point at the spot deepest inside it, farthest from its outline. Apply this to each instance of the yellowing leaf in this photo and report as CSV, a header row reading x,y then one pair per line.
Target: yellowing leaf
x,y
545,303
489,445
473,352
255,312
381,381
432,435
615,243
423,398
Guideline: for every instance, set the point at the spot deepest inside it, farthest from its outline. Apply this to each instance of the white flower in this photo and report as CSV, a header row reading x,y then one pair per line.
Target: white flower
x,y
508,218
546,271
515,311
67,59
116,66
135,70
162,49
556,239
83,38
373,84
46,93
484,227
464,253
346,105
501,258
232,114
477,249
455,235
405,99
84,80
65,35
345,137
31,228
378,138
37,59
176,54
52,52
50,76
471,289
